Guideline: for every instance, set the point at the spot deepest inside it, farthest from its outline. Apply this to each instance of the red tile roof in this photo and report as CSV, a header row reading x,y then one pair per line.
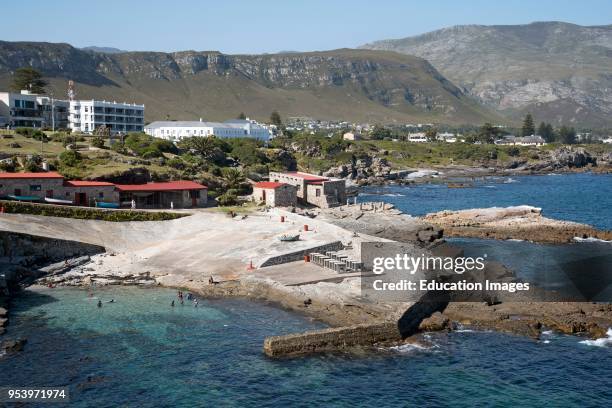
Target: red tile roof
x,y
306,176
45,175
80,183
163,186
269,184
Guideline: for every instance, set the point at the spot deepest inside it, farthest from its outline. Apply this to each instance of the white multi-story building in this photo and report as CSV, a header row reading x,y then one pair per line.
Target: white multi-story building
x,y
20,110
176,130
26,109
88,115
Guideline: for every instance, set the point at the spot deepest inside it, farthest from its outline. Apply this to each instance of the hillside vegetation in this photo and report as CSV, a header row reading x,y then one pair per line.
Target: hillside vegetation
x,y
356,85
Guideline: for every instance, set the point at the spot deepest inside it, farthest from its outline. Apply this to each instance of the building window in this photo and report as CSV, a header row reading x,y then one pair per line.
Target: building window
x,y
100,194
194,193
67,194
35,187
318,192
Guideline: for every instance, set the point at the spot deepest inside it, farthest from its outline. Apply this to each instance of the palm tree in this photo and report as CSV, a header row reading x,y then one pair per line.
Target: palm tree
x,y
205,146
234,178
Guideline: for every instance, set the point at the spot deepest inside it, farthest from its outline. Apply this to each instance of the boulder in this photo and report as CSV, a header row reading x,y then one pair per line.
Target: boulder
x,y
436,322
568,156
13,346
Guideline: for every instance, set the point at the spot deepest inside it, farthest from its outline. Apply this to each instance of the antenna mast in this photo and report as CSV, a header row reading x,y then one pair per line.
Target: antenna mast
x,y
71,90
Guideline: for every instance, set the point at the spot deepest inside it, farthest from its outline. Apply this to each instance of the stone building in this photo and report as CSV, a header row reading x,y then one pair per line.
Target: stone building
x,y
50,187
178,194
275,194
352,136
320,191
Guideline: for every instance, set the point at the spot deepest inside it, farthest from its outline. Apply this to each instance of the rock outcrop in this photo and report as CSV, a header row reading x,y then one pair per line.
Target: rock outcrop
x,y
560,72
521,222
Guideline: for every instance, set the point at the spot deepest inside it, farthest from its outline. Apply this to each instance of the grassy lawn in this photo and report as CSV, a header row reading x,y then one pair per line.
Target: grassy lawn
x,y
29,146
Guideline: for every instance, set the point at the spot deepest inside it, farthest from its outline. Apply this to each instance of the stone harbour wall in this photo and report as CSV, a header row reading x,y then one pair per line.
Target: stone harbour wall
x,y
333,339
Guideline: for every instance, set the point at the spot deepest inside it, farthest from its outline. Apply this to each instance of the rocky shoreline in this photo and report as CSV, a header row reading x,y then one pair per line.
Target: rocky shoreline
x,y
339,305
375,170
522,223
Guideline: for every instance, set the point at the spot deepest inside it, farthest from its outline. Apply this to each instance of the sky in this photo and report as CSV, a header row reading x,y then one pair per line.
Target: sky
x,y
260,26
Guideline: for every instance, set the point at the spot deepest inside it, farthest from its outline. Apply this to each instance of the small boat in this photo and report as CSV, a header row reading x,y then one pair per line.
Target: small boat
x,y
24,198
57,201
102,204
289,238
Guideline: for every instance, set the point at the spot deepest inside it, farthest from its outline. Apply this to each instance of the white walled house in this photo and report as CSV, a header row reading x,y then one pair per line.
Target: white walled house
x,y
19,110
88,115
177,130
418,137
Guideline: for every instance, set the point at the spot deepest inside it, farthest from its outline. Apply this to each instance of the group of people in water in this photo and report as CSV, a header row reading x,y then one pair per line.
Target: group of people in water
x,y
189,296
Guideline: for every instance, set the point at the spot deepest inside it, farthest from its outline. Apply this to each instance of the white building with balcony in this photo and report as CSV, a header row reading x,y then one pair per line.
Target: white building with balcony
x,y
177,130
86,116
20,110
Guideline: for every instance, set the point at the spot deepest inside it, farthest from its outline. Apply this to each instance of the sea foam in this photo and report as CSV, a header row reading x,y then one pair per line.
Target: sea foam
x,y
601,342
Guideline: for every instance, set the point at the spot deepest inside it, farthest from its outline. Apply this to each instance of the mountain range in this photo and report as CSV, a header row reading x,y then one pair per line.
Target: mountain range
x,y
358,85
559,72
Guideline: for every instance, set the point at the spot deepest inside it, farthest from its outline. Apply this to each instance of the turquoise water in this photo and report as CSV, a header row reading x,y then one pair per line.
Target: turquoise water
x,y
140,352
583,197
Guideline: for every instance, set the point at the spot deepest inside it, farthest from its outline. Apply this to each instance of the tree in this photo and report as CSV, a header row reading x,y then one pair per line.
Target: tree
x,y
242,116
234,178
547,132
380,132
205,146
488,133
528,126
567,135
28,78
431,134
275,119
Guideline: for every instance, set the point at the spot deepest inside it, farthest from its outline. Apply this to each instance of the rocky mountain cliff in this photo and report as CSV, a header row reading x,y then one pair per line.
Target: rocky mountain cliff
x,y
558,71
342,84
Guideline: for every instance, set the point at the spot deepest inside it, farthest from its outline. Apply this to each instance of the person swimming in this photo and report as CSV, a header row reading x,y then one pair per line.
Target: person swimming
x,y
172,304
111,301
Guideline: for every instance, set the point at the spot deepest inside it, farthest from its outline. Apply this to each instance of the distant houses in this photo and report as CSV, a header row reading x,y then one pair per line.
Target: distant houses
x,y
352,136
177,130
418,137
511,140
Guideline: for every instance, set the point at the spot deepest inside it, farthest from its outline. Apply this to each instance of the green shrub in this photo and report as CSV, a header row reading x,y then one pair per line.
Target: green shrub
x,y
227,199
70,158
87,213
98,142
514,151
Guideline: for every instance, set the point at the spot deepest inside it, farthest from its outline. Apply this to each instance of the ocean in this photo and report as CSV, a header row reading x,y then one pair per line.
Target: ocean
x,y
580,197
141,352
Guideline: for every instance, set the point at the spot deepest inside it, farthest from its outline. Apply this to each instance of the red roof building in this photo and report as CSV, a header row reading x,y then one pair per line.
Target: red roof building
x,y
42,175
180,185
51,187
268,184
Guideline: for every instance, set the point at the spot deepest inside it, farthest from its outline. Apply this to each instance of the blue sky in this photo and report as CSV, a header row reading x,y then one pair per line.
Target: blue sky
x,y
258,26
